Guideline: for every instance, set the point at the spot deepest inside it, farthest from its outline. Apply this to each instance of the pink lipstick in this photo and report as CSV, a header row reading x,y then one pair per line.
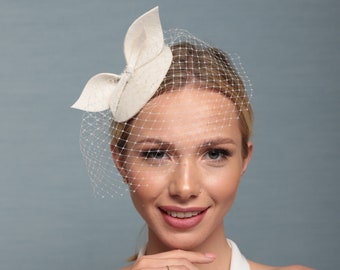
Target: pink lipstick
x,y
183,218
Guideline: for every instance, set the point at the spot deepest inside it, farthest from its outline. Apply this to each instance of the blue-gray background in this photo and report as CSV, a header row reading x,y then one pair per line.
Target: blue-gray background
x,y
287,210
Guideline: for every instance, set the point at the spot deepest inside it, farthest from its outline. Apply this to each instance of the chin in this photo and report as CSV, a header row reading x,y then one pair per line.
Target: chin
x,y
182,241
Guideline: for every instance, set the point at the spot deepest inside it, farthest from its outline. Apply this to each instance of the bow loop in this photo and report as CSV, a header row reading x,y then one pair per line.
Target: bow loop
x,y
144,39
97,92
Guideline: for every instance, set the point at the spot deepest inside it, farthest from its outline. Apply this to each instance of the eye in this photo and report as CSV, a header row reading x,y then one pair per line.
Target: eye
x,y
218,154
154,154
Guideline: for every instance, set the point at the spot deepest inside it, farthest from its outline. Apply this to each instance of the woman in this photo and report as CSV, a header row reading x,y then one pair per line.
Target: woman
x,y
178,124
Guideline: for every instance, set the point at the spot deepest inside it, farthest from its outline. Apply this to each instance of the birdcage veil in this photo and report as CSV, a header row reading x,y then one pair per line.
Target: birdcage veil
x,y
118,109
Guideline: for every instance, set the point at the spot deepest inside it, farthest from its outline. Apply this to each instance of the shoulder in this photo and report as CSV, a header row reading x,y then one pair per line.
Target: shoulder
x,y
258,266
293,267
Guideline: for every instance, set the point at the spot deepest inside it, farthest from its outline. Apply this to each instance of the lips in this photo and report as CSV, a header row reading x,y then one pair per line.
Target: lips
x,y
182,214
183,218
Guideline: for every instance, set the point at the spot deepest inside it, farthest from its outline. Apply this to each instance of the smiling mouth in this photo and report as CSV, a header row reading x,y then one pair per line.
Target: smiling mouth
x,y
176,212
183,218
183,214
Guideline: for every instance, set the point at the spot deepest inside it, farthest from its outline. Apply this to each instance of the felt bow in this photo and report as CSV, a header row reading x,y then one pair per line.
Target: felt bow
x,y
148,59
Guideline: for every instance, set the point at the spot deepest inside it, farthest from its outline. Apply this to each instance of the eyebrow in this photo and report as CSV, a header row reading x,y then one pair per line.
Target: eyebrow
x,y
209,142
153,141
218,141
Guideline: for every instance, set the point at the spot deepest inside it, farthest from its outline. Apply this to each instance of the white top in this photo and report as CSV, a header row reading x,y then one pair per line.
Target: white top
x,y
238,261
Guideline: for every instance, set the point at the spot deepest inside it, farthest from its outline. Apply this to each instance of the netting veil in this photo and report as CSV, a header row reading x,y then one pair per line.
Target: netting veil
x,y
172,82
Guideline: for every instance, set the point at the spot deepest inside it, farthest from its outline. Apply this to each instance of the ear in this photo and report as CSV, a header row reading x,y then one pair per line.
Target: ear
x,y
119,161
248,158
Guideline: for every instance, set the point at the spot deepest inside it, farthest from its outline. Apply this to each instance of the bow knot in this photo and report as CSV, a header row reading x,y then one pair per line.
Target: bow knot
x,y
129,69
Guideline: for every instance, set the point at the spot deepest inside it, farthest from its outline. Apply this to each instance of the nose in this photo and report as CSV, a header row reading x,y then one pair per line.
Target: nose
x,y
186,180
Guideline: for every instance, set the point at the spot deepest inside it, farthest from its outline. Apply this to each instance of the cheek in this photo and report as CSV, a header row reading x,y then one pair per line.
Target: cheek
x,y
145,188
225,194
144,199
223,186
140,175
138,201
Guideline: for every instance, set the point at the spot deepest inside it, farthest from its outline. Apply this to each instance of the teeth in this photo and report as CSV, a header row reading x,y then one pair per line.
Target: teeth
x,y
182,214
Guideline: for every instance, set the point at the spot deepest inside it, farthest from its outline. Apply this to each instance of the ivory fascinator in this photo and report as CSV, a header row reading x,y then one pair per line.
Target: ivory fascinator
x,y
148,59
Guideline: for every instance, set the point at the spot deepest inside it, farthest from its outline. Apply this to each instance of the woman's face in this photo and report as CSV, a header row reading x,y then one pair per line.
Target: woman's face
x,y
184,164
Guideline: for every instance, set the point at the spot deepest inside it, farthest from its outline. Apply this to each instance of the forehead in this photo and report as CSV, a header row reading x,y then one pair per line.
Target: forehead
x,y
187,114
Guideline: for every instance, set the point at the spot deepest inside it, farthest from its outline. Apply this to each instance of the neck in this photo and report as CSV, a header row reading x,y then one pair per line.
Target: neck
x,y
216,243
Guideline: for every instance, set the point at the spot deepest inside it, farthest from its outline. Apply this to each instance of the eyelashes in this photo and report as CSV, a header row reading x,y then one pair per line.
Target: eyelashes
x,y
213,154
153,154
218,154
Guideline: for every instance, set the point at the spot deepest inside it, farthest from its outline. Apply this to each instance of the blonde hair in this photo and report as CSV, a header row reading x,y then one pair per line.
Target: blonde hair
x,y
206,68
